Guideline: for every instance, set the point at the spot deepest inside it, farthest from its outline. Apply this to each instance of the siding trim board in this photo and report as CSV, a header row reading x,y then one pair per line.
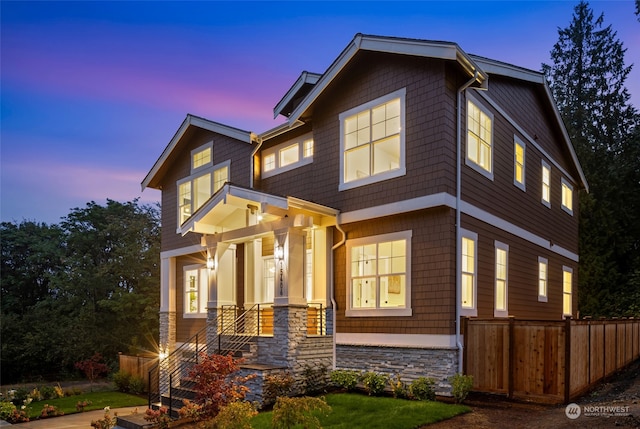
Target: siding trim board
x,y
397,340
447,200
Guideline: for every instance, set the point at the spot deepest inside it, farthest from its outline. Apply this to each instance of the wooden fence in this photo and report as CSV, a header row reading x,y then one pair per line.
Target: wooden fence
x,y
138,366
546,361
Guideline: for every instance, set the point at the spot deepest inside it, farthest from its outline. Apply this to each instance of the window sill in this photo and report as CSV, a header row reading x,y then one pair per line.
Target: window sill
x,y
379,312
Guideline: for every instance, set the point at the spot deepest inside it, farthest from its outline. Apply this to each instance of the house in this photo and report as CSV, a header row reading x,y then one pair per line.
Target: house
x,y
411,185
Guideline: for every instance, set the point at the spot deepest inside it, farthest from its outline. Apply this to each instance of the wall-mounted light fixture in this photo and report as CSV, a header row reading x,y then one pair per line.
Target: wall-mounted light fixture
x,y
211,263
278,253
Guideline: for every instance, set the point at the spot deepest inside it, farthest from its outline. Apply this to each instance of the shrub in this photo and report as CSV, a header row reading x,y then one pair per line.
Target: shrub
x,y
423,389
345,378
93,368
48,392
19,396
190,411
81,404
276,385
216,384
289,412
461,386
374,383
58,390
50,411
236,415
122,379
398,387
159,417
107,422
137,386
10,414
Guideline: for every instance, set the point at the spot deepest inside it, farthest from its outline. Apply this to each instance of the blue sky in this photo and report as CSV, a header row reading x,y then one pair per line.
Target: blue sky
x,y
92,92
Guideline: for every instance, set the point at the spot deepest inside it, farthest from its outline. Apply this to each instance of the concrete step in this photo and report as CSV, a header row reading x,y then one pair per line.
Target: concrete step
x,y
133,421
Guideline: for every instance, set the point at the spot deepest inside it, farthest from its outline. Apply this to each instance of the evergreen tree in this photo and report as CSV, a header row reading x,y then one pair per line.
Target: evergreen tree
x,y
587,78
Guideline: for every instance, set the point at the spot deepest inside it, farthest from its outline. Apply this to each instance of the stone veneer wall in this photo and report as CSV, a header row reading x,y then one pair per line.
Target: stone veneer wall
x,y
167,334
409,363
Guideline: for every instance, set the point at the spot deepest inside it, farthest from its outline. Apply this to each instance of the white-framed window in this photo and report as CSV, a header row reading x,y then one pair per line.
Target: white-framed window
x,y
543,279
567,196
287,156
268,279
519,163
546,184
379,275
372,141
468,276
308,275
202,157
196,279
479,138
195,190
501,280
567,287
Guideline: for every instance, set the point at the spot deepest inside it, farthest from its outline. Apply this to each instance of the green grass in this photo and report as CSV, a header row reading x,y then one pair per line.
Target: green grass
x,y
99,400
352,411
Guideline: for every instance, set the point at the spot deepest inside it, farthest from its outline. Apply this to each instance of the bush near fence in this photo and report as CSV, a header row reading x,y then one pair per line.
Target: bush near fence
x,y
546,361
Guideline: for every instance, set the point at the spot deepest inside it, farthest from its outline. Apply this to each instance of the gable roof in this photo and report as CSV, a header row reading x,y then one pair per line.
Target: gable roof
x,y
191,121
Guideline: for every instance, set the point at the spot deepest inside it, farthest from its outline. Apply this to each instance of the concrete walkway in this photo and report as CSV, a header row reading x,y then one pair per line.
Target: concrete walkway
x,y
77,420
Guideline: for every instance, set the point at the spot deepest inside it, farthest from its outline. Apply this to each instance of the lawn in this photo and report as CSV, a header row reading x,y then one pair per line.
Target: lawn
x,y
352,411
99,400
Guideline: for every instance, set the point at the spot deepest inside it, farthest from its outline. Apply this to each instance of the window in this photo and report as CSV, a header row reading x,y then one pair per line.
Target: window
x,y
518,163
546,184
201,157
469,264
195,291
567,283
308,275
195,190
379,275
287,156
502,251
372,141
543,276
268,279
479,138
567,197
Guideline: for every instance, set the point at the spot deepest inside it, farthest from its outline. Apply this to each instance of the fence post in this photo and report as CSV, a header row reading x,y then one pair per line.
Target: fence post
x,y
512,357
567,360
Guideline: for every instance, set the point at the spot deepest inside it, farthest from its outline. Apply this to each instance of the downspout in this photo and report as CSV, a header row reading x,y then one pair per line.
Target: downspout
x,y
333,299
458,231
253,154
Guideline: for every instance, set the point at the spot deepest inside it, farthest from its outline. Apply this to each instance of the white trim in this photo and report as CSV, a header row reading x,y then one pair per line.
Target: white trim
x,y
467,311
389,174
304,78
404,206
564,182
517,141
545,297
545,165
202,300
427,341
173,253
505,312
509,70
379,311
474,165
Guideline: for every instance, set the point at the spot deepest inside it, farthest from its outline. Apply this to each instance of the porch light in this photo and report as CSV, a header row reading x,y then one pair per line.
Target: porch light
x,y
211,263
278,253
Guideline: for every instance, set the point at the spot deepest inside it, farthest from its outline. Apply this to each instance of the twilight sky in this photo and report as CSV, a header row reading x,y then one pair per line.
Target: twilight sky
x,y
92,92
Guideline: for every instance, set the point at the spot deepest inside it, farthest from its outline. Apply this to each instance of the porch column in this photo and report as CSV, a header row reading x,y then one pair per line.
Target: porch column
x,y
215,250
289,255
167,314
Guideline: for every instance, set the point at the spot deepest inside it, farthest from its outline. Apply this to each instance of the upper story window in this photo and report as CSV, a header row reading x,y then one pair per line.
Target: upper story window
x,y
202,157
372,141
518,163
469,268
195,190
479,138
567,196
546,184
379,275
195,291
287,156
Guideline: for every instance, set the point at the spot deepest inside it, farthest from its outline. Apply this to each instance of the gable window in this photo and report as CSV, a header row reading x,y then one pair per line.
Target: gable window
x,y
479,138
372,141
195,190
201,157
543,276
518,163
469,267
195,291
567,283
567,197
501,282
546,184
379,275
287,156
